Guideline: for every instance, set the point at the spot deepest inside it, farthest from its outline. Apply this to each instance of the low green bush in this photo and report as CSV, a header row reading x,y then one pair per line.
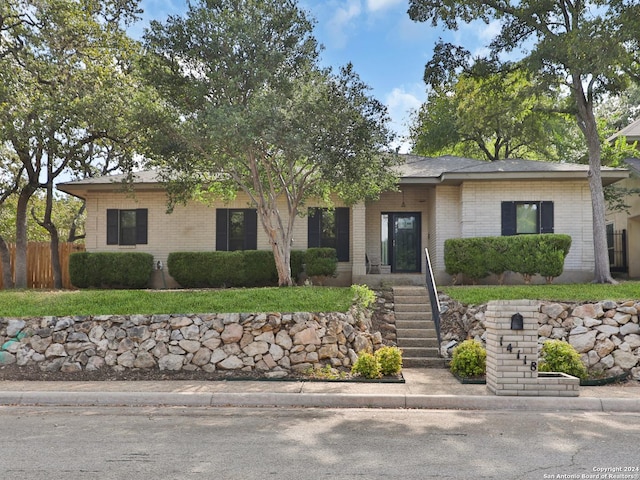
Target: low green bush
x,y
469,359
191,269
560,356
390,360
228,270
259,268
527,255
366,365
110,269
246,268
297,264
321,262
363,297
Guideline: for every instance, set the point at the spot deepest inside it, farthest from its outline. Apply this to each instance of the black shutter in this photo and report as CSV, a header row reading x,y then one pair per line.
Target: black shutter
x,y
342,234
141,226
112,226
250,229
508,218
546,217
222,229
313,237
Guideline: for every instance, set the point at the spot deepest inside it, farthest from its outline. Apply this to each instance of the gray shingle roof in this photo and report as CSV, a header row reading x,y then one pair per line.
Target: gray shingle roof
x,y
415,169
631,132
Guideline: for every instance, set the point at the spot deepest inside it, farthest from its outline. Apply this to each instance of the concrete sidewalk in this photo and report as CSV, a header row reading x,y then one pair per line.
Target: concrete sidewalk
x,y
423,388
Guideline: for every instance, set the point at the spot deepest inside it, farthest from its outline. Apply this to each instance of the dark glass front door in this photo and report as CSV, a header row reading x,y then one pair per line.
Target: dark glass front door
x,y
404,249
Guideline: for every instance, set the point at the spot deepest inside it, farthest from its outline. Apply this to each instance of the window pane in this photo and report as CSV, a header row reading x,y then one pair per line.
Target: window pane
x,y
127,227
384,239
328,229
527,218
236,230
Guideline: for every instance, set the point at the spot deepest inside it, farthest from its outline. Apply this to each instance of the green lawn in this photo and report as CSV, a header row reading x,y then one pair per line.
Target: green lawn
x,y
35,303
567,293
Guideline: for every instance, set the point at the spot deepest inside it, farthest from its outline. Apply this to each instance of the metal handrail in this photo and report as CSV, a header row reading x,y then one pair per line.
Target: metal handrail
x,y
433,297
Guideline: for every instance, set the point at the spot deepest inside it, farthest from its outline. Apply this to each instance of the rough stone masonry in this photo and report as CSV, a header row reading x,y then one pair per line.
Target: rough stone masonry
x,y
274,344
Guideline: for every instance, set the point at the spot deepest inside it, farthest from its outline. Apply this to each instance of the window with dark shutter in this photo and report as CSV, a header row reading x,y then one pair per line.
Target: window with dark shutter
x,y
329,229
546,217
527,217
236,229
113,221
508,218
127,227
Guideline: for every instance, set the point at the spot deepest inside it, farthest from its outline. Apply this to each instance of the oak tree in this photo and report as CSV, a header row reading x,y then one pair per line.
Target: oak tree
x,y
253,112
590,47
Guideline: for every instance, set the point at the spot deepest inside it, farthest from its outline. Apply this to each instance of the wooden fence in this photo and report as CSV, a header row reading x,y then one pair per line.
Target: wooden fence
x,y
39,272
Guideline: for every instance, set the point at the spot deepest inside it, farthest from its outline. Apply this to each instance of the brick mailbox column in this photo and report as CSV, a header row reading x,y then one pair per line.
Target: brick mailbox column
x,y
512,354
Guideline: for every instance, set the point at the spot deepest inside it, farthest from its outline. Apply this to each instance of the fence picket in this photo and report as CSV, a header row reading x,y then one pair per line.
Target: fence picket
x,y
39,271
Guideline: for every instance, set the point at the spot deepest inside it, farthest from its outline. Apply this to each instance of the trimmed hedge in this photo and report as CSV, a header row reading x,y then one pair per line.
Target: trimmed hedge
x,y
322,262
110,269
528,255
246,268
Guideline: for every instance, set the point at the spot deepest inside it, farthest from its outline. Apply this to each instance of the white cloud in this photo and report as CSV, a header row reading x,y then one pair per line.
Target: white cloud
x,y
402,103
488,32
342,18
374,5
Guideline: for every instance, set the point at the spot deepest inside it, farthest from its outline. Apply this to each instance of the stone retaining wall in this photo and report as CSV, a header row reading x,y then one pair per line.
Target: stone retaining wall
x,y
606,334
274,344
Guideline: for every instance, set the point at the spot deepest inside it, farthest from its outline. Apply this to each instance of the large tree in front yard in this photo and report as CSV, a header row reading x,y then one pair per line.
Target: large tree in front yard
x,y
590,47
67,92
254,113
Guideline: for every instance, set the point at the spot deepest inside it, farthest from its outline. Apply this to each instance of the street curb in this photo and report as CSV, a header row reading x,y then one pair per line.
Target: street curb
x,y
318,400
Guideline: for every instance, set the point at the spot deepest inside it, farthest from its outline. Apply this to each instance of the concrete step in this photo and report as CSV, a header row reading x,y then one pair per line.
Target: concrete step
x,y
418,342
411,307
418,352
415,299
421,324
410,362
415,333
424,316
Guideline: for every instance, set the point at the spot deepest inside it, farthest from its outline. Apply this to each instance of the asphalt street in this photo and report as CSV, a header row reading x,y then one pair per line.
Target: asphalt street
x,y
307,443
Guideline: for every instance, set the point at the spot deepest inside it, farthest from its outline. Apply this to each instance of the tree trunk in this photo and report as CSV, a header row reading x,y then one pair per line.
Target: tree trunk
x,y
74,224
589,127
56,266
280,241
5,257
20,264
54,243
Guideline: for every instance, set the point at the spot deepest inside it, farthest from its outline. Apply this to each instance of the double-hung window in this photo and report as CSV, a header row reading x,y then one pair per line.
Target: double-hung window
x,y
127,227
520,218
236,229
329,228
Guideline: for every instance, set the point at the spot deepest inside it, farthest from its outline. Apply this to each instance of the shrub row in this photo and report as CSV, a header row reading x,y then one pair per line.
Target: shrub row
x,y
110,269
247,268
528,255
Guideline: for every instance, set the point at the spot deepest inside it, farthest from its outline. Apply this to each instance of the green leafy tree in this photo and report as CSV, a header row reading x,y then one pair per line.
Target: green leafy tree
x,y
590,47
253,112
68,96
494,117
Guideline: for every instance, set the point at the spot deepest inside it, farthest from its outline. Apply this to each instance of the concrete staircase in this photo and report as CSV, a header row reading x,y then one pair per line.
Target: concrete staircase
x,y
415,329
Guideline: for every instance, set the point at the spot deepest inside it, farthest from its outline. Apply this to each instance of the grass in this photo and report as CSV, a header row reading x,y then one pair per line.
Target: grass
x,y
474,295
37,303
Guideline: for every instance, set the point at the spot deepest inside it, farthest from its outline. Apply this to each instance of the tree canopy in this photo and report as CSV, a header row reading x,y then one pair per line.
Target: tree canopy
x,y
250,110
497,116
589,47
68,98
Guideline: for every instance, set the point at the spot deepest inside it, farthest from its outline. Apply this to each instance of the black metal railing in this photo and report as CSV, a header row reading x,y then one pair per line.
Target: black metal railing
x,y
433,297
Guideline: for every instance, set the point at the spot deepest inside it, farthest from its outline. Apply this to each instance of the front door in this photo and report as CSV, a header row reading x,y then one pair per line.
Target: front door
x,y
403,245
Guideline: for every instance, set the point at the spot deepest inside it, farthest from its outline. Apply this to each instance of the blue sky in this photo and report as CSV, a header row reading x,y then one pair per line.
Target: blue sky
x,y
387,49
